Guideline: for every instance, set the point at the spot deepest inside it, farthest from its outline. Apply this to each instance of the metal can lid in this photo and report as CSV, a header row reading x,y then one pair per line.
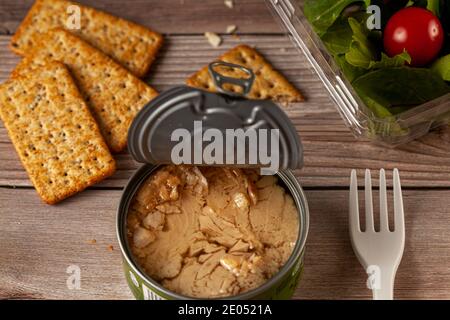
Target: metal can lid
x,y
192,126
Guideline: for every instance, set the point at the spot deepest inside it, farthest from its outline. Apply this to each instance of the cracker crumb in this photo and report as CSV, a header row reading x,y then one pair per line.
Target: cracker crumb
x,y
110,247
229,4
92,241
284,104
214,39
231,28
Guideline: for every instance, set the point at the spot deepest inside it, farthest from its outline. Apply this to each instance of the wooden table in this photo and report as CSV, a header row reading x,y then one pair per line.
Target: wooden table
x,y
38,242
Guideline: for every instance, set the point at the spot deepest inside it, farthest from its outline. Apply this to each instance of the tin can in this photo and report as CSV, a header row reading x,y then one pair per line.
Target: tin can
x,y
182,107
281,286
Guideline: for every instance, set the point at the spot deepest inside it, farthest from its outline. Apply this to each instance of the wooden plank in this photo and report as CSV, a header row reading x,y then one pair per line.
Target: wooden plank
x,y
332,270
168,16
39,242
330,149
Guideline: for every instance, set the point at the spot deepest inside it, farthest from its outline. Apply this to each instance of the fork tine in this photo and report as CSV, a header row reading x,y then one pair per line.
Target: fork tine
x,y
369,204
399,219
384,220
354,206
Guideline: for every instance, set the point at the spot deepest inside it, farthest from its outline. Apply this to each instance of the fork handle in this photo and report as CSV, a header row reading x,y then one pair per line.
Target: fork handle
x,y
384,290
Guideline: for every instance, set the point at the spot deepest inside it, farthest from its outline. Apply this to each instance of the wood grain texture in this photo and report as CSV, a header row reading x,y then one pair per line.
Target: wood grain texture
x,y
39,243
332,270
167,16
331,151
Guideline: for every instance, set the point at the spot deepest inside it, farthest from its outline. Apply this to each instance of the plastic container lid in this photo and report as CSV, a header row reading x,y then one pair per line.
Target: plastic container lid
x,y
151,135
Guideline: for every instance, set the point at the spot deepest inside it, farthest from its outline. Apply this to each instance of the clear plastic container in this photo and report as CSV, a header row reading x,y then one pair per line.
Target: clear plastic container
x,y
391,131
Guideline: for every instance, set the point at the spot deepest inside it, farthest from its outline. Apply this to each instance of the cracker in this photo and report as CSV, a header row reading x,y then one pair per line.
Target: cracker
x,y
113,94
54,133
268,84
132,45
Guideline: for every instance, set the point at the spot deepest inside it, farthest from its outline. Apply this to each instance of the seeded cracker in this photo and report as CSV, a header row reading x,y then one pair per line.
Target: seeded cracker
x,y
269,83
54,133
113,94
132,45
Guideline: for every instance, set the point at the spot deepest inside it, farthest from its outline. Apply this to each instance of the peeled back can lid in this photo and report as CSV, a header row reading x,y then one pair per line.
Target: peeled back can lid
x,y
192,126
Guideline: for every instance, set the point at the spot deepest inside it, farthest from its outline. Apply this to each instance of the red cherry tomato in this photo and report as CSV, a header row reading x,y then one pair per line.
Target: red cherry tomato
x,y
416,30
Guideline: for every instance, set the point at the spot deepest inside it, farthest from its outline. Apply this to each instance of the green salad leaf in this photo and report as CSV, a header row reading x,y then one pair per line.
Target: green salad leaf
x,y
391,62
351,72
363,54
377,107
432,5
442,67
387,85
400,86
338,37
323,13
361,51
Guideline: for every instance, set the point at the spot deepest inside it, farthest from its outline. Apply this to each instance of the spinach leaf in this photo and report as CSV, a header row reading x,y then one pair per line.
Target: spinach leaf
x,y
350,72
442,67
363,53
377,107
385,84
401,86
391,62
361,50
338,37
323,13
432,5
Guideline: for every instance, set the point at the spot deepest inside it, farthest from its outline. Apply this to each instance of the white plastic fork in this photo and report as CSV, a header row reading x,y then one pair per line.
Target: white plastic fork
x,y
379,252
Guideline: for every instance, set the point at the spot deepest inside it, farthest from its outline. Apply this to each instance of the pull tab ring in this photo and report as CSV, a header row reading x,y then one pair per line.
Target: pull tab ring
x,y
220,80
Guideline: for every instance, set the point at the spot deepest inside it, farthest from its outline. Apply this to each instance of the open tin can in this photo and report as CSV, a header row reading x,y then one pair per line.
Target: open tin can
x,y
149,142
